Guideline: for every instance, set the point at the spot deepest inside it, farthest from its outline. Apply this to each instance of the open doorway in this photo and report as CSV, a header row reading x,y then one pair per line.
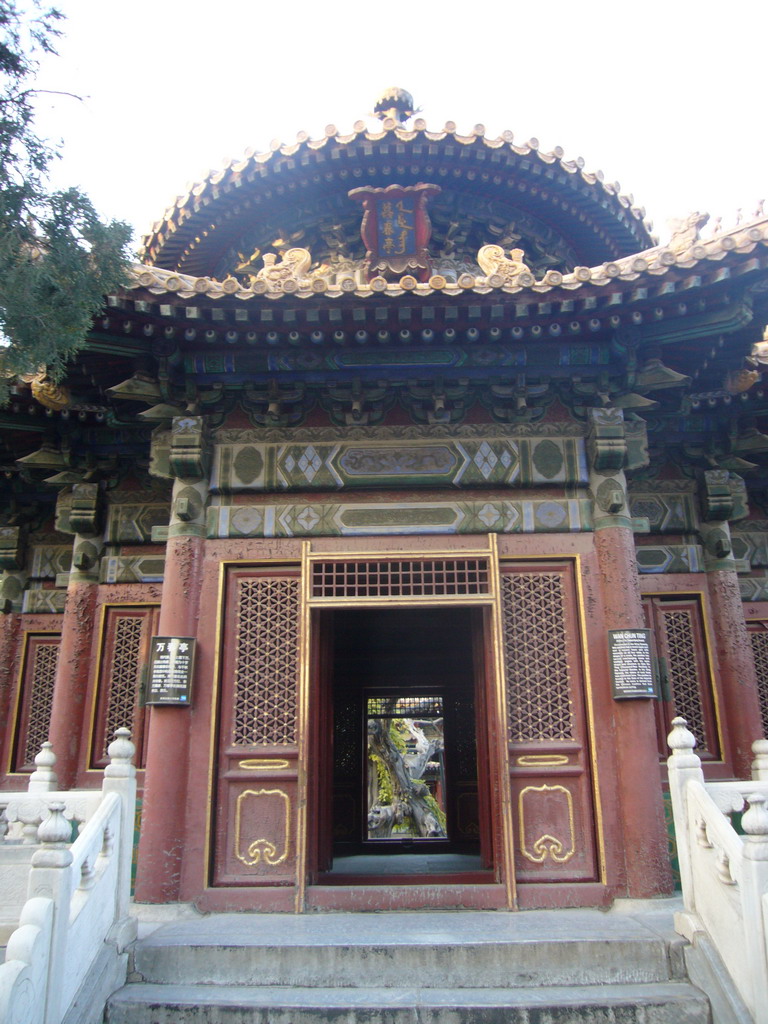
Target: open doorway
x,y
406,769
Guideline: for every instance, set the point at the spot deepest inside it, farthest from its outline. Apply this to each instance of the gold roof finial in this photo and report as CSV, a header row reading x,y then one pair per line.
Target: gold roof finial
x,y
395,103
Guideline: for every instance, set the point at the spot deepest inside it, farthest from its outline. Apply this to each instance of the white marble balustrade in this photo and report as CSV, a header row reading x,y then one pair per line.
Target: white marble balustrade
x,y
724,873
68,952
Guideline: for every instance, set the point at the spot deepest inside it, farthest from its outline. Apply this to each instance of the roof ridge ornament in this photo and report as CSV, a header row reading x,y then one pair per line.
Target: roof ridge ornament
x,y
294,267
686,231
395,103
494,262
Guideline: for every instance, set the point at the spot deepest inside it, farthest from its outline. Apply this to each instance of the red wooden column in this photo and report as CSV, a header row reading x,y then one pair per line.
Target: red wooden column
x,y
735,662
161,845
736,668
9,639
78,513
13,579
646,856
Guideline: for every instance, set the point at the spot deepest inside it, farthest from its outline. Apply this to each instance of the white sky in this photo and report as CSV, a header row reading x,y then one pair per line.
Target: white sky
x,y
666,96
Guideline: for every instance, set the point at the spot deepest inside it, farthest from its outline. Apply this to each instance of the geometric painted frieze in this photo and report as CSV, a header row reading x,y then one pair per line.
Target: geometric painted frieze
x,y
754,588
347,519
438,357
131,523
666,511
494,461
751,546
659,558
47,561
50,602
132,569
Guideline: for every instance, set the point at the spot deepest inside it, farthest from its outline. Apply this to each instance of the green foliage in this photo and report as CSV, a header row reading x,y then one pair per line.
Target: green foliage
x,y
57,258
398,732
385,791
434,806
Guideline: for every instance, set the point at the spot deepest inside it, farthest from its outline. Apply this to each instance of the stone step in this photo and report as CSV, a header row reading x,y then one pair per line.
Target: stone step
x,y
669,1003
424,950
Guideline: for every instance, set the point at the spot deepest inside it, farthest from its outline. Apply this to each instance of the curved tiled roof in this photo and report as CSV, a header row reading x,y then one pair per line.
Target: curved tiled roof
x,y
212,216
653,263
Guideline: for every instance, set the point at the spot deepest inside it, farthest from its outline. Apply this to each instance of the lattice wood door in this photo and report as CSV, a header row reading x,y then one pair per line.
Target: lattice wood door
x,y
41,655
758,634
549,742
256,811
123,658
686,682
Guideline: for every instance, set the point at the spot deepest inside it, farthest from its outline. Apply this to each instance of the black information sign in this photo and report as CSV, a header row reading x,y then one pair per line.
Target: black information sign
x,y
632,663
171,664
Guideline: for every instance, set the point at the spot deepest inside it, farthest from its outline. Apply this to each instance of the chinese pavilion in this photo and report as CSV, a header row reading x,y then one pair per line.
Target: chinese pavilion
x,y
397,503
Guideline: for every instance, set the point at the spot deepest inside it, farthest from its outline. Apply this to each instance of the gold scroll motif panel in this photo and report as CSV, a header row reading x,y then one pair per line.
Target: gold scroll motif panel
x,y
553,805
459,462
266,811
256,793
550,771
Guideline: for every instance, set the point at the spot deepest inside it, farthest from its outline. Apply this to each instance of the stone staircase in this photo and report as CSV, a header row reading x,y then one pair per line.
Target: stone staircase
x,y
535,967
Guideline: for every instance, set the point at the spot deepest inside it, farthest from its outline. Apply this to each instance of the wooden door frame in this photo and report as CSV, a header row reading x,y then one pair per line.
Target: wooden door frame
x,y
327,703
493,685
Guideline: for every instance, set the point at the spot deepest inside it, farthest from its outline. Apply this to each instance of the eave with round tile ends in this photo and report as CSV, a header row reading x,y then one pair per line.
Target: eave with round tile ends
x,y
646,267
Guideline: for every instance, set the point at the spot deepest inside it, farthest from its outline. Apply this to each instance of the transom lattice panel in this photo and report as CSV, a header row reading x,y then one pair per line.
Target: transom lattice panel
x,y
401,578
405,707
680,632
45,657
536,656
266,661
122,699
760,651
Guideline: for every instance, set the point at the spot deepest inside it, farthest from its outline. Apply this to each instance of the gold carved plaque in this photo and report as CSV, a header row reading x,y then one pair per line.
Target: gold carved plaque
x,y
542,760
263,764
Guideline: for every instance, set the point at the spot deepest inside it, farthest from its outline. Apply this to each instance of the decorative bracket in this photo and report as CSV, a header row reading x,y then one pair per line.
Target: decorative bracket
x,y
606,441
715,495
190,447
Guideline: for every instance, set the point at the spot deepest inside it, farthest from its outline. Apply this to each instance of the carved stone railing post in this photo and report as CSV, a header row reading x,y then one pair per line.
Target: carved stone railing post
x,y
162,827
760,763
754,895
44,779
735,661
120,778
684,766
641,806
78,513
48,878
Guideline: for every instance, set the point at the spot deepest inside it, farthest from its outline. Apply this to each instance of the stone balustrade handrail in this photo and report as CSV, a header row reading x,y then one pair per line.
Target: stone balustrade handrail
x,y
68,953
21,814
731,797
724,874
